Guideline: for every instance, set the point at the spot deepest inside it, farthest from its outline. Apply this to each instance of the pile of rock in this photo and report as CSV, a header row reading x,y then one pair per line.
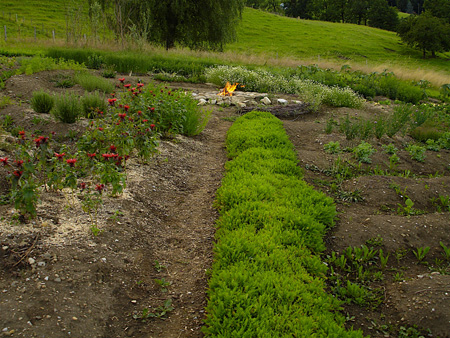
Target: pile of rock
x,y
239,99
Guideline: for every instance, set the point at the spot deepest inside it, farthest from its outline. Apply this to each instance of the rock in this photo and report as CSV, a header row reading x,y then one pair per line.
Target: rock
x,y
241,104
213,101
31,260
297,101
57,280
266,101
201,102
41,264
282,101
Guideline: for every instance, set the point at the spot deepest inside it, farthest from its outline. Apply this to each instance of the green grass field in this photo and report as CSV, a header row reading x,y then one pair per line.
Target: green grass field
x,y
317,41
263,39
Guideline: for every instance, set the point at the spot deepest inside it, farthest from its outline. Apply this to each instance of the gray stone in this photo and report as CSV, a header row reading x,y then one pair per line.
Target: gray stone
x,y
201,102
266,101
282,101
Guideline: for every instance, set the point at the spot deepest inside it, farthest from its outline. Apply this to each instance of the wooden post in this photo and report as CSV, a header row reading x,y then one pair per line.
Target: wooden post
x,y
16,17
53,35
5,34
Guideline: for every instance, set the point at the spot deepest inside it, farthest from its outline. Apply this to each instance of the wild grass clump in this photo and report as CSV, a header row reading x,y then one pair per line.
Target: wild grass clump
x,y
67,108
91,82
42,102
38,64
268,278
93,104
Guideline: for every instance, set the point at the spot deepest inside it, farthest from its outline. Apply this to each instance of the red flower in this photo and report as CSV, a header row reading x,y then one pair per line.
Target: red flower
x,y
122,116
40,140
82,186
130,119
113,94
19,163
22,133
152,126
60,156
144,120
91,156
71,161
100,128
112,148
152,109
112,101
139,85
99,188
18,173
122,80
139,112
100,113
4,160
128,85
126,107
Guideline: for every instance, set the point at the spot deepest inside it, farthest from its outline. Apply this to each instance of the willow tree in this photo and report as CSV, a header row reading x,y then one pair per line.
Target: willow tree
x,y
199,24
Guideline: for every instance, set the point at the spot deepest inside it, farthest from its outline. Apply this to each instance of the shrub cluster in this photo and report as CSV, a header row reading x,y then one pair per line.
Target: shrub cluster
x,y
264,81
267,279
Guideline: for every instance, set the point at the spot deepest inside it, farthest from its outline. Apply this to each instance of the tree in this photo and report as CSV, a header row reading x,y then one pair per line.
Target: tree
x,y
200,24
425,32
382,16
438,8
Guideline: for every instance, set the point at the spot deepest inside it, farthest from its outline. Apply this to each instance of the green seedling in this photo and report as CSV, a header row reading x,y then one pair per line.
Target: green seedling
x,y
163,283
159,312
446,252
420,253
383,259
159,267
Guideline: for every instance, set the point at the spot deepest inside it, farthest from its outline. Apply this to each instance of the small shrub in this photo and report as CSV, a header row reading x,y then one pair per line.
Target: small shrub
x,y
444,140
109,73
365,128
329,126
92,104
349,128
332,147
67,108
62,81
91,82
433,145
417,152
42,102
363,152
390,148
94,61
399,119
380,127
428,130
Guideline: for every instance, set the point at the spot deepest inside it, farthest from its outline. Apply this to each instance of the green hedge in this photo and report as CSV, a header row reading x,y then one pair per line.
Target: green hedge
x,y
267,279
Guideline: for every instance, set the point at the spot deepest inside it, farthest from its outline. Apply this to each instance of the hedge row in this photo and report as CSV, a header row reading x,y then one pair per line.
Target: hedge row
x,y
267,279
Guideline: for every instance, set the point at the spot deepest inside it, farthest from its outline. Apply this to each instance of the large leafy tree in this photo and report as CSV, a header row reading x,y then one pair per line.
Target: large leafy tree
x,y
381,15
438,8
425,32
200,24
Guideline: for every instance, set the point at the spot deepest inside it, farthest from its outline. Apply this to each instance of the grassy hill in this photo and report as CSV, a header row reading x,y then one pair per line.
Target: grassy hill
x,y
263,38
318,41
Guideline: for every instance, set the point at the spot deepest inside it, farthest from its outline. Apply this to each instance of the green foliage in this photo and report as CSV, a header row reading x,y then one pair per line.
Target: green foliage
x,y
265,81
420,253
390,148
42,102
399,119
38,64
266,280
94,61
67,108
417,152
382,16
426,33
91,82
363,151
93,104
332,147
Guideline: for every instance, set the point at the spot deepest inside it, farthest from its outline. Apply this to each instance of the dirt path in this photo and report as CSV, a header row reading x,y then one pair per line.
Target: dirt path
x,y
155,248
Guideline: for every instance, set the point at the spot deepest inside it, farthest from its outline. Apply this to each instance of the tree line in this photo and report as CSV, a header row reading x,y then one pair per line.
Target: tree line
x,y
209,24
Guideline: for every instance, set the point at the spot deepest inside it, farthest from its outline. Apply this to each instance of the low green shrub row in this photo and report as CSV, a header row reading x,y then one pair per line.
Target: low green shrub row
x,y
136,63
267,279
368,85
264,81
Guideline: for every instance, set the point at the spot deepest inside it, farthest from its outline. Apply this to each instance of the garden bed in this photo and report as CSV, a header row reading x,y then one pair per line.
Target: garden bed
x,y
157,237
